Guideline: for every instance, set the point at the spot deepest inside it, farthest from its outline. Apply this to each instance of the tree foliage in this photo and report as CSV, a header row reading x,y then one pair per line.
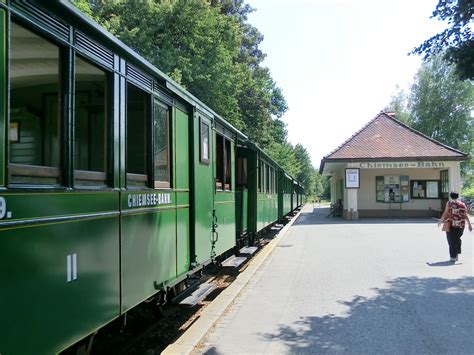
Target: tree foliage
x,y
440,105
211,50
456,42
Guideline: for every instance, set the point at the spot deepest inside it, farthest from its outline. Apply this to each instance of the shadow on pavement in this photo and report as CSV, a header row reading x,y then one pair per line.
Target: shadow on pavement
x,y
443,263
319,216
412,316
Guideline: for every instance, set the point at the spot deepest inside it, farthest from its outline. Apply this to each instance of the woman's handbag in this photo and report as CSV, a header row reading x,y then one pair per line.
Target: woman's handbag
x,y
446,226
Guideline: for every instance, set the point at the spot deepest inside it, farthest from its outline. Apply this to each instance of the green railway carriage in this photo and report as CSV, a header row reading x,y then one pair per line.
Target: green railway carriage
x,y
245,188
214,196
260,198
285,194
266,210
115,183
300,196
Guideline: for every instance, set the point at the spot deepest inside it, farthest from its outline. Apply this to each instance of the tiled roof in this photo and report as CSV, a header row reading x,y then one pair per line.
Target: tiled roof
x,y
387,138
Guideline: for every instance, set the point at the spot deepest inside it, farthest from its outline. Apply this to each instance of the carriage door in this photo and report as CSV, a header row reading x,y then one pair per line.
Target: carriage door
x,y
203,186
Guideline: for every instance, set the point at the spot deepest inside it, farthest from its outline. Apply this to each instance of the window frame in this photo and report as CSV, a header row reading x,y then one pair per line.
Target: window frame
x,y
202,159
92,175
423,183
148,104
241,178
444,184
29,170
227,164
225,185
159,184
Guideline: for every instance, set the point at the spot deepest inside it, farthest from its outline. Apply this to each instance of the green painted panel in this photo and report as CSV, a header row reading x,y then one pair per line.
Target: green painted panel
x,y
148,254
267,210
3,93
39,205
225,213
36,297
252,175
287,204
182,198
183,258
222,196
203,190
241,206
182,150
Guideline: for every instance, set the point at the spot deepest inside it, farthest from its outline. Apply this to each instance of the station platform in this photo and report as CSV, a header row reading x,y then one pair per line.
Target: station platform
x,y
327,285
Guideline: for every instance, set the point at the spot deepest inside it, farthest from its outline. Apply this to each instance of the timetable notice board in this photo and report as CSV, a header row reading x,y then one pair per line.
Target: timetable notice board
x,y
392,188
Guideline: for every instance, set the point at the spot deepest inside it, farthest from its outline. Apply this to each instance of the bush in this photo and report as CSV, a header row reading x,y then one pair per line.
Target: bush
x,y
468,192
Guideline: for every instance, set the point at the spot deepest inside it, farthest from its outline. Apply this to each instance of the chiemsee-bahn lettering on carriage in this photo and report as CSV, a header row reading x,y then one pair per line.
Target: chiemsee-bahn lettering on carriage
x,y
148,199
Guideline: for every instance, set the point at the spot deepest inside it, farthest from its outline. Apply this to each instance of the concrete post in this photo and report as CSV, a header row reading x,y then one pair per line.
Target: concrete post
x,y
454,172
352,212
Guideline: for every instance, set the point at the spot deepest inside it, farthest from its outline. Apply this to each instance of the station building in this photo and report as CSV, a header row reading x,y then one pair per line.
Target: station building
x,y
388,169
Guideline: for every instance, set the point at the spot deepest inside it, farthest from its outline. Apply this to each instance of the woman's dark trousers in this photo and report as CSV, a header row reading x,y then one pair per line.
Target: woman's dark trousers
x,y
454,241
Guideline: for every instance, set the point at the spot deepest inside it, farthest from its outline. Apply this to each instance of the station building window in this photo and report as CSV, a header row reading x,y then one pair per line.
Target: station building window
x,y
35,110
444,179
425,189
90,124
161,126
138,113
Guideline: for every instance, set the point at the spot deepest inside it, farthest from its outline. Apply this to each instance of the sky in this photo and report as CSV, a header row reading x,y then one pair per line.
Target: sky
x,y
338,62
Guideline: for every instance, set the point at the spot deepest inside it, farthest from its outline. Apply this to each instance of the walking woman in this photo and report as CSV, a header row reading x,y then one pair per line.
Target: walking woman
x,y
455,214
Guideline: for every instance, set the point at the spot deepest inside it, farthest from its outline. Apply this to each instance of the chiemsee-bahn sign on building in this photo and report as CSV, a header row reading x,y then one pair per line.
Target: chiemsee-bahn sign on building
x,y
388,169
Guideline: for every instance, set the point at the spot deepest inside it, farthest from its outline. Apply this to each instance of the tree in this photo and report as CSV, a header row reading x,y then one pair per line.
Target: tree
x,y
440,105
321,185
188,40
210,49
398,105
455,42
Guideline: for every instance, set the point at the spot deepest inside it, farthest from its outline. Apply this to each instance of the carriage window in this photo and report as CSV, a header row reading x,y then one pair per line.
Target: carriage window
x,y
219,162
35,119
90,124
267,178
241,173
138,107
161,151
223,163
228,158
204,151
273,182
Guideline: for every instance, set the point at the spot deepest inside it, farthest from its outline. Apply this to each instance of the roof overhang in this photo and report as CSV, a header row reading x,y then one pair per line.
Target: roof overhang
x,y
328,166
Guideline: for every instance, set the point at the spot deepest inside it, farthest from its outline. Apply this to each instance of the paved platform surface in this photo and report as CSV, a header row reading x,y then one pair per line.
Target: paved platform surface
x,y
354,287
